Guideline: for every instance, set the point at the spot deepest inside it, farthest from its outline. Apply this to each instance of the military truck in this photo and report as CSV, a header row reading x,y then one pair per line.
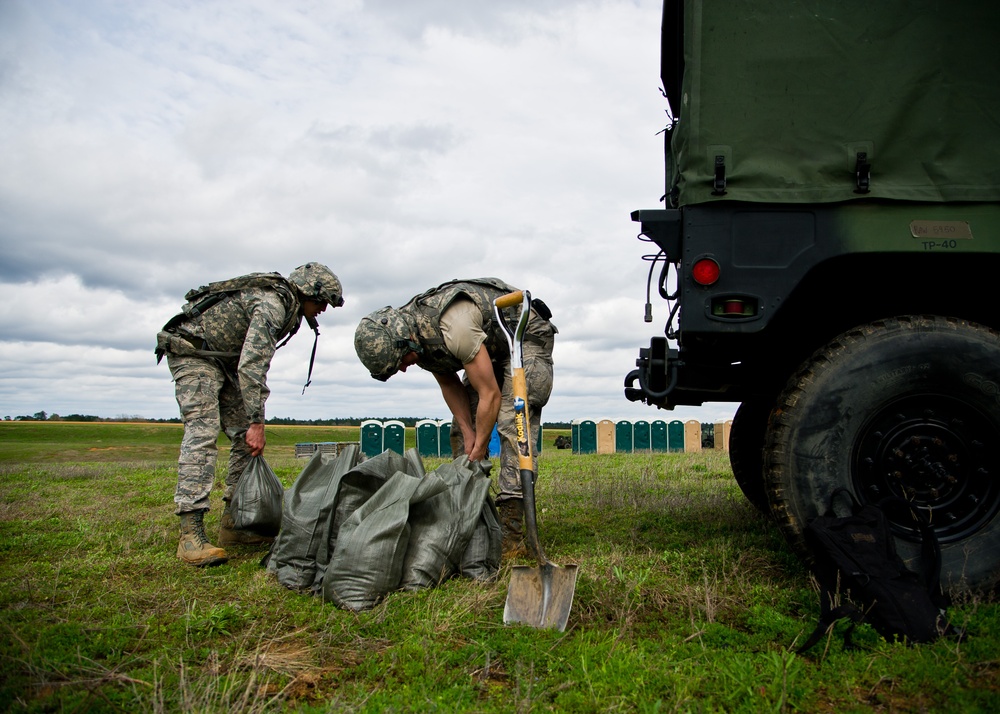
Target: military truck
x,y
827,248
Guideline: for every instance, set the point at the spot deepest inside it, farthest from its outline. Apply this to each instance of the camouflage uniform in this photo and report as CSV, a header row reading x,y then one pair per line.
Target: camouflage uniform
x,y
425,311
539,339
224,390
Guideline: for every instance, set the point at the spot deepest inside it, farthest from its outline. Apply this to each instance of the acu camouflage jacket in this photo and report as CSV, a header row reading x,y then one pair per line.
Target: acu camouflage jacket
x,y
241,331
425,311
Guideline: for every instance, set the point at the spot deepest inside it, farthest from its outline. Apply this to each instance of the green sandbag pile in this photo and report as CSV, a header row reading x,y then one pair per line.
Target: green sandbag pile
x,y
353,531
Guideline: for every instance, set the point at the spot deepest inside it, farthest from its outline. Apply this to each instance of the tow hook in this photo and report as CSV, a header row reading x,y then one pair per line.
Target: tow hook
x,y
656,373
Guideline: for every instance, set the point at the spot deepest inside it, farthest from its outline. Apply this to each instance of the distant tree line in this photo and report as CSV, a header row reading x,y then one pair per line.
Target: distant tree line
x,y
355,421
44,416
286,421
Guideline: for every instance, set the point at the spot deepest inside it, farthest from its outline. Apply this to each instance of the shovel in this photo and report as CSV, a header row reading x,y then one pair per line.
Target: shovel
x,y
539,596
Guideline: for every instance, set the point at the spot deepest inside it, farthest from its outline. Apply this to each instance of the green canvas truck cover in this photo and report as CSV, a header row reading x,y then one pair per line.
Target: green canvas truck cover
x,y
789,92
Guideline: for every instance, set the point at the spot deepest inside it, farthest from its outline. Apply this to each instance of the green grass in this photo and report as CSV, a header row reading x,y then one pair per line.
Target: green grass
x,y
686,600
128,441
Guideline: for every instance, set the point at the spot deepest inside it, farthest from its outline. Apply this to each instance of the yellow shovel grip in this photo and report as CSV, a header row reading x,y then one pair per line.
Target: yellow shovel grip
x,y
522,425
510,299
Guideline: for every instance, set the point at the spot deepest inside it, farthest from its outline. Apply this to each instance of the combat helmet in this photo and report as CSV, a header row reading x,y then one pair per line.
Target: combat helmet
x,y
382,339
317,282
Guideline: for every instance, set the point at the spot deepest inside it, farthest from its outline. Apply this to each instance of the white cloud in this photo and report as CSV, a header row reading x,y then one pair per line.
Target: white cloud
x,y
153,147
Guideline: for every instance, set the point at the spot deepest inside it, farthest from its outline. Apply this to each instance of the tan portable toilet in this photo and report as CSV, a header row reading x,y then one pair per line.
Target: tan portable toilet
x,y
726,426
692,436
605,436
722,435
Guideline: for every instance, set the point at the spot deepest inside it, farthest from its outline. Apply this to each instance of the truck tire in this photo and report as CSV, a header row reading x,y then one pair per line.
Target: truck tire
x,y
746,451
906,407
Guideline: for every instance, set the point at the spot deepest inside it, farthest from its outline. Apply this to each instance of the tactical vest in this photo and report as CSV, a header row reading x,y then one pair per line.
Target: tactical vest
x,y
201,299
426,310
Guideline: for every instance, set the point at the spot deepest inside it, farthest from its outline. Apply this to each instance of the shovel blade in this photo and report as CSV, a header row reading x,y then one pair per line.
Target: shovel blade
x,y
540,596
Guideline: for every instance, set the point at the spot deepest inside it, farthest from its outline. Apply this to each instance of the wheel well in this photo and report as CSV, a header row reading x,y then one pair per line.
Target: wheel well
x,y
853,290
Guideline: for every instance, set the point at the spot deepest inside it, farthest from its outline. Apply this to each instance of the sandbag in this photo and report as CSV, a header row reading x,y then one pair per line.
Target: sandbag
x,y
302,547
442,526
256,501
481,559
355,488
354,530
371,545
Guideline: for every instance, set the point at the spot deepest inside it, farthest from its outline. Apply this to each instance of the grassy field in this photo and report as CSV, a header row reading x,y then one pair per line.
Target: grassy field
x,y
686,600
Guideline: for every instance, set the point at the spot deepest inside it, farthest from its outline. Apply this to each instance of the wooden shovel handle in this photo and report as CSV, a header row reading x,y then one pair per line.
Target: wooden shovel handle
x,y
510,299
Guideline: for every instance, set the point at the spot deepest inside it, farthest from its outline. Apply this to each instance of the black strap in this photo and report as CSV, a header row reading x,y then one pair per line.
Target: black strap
x,y
312,359
855,504
828,619
194,311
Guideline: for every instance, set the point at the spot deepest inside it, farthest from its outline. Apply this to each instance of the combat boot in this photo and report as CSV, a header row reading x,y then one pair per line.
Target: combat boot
x,y
511,513
194,547
229,535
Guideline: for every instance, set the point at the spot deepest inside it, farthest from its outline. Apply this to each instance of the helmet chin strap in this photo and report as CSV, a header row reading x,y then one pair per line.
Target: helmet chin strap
x,y
312,358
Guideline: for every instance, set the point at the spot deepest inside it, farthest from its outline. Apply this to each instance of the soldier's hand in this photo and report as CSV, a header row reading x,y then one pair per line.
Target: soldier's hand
x,y
480,454
255,439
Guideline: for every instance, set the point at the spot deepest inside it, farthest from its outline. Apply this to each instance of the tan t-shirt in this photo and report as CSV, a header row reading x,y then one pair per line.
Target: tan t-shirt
x,y
462,329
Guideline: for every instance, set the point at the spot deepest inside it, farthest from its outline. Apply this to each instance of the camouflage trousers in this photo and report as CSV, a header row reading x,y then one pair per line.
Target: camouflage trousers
x,y
210,401
539,339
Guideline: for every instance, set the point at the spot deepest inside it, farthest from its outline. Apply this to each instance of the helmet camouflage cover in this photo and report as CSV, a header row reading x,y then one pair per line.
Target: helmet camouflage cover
x,y
317,282
382,339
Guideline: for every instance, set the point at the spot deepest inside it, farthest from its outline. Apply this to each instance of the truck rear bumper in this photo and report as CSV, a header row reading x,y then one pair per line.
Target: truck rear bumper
x,y
663,379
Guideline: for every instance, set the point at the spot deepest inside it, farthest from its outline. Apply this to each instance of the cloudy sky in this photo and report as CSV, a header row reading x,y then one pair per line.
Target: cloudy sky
x,y
150,147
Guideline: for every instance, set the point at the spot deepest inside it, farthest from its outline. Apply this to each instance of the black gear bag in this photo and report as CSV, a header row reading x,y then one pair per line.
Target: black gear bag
x,y
862,577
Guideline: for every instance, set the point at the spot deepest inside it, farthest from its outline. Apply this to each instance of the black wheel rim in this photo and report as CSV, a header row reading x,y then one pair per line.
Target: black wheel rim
x,y
937,452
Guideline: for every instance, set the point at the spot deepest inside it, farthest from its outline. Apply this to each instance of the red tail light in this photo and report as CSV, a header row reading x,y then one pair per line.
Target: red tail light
x,y
705,271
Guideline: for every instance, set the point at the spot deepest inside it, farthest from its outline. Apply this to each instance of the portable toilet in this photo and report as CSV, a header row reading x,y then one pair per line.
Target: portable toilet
x,y
640,435
587,438
428,443
574,435
719,429
675,435
722,435
623,436
444,440
658,436
371,437
538,440
605,436
394,436
692,436
494,449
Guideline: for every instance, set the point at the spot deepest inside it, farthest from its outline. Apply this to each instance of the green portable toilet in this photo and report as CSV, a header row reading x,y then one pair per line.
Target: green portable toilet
x,y
444,440
640,435
588,437
371,437
574,435
538,441
658,436
428,442
623,436
394,436
675,435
